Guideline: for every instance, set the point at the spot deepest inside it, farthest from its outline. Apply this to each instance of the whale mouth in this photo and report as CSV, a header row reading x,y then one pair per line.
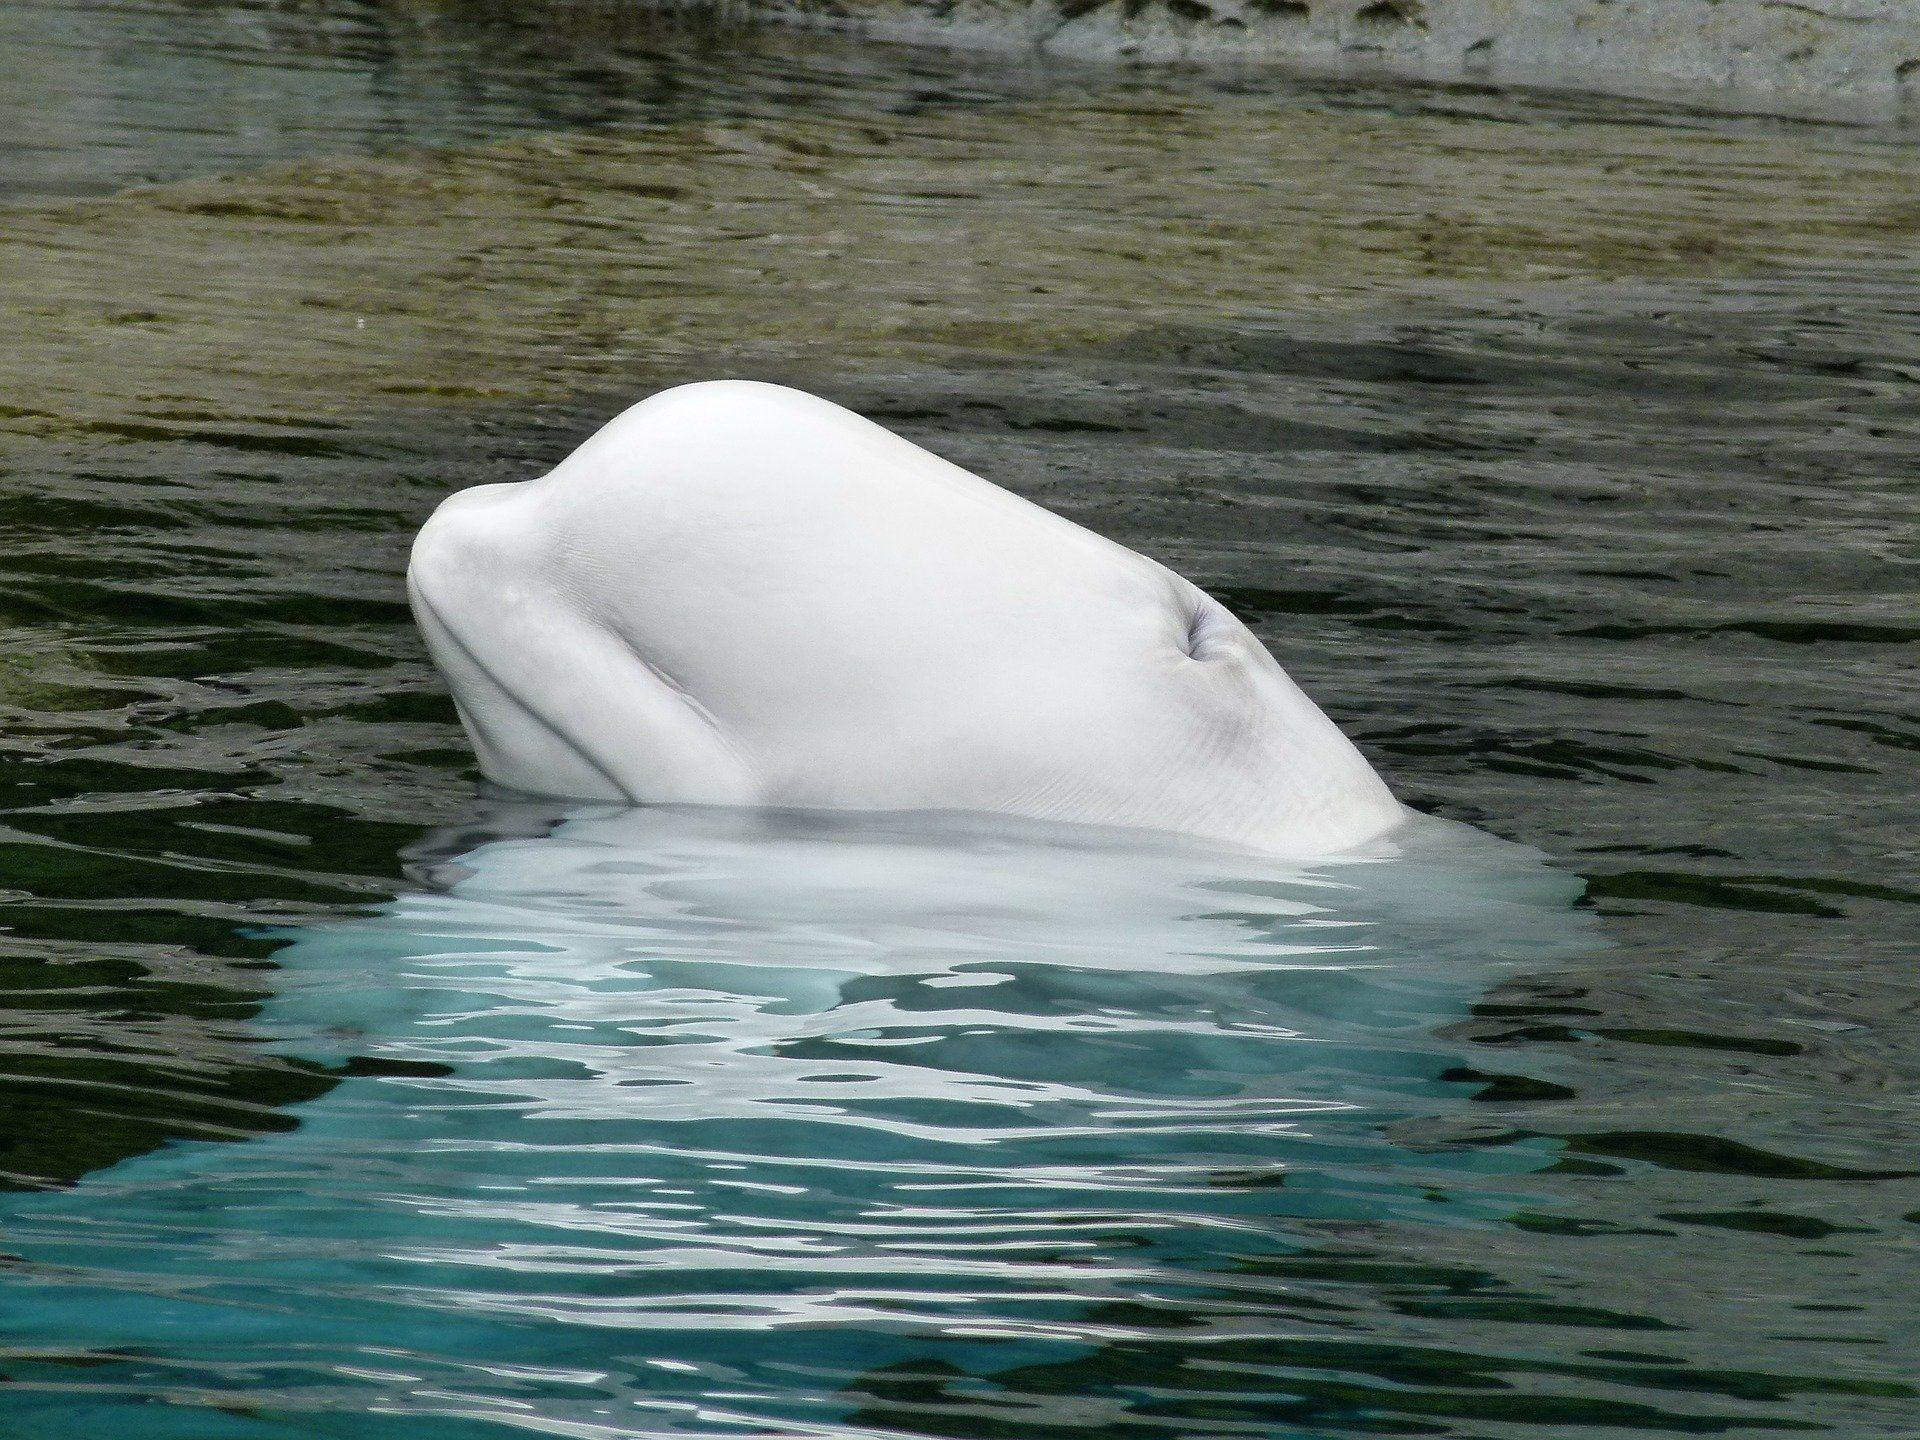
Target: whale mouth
x,y
491,709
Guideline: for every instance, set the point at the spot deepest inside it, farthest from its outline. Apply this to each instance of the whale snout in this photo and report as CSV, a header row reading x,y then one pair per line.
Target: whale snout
x,y
472,533
474,583
468,571
555,696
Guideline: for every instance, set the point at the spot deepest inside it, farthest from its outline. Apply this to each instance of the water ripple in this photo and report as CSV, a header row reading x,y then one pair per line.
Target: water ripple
x,y
1560,450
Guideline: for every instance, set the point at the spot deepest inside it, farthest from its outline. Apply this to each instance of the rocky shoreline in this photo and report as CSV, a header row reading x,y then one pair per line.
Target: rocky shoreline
x,y
1828,59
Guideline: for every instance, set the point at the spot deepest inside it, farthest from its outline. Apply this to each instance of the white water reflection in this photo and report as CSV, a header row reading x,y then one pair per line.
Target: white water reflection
x,y
650,1085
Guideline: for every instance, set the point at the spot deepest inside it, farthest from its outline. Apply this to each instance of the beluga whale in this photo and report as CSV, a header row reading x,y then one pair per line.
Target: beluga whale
x,y
740,594
703,1047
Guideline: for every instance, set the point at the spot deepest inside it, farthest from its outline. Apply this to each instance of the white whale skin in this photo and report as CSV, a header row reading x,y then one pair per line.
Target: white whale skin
x,y
740,594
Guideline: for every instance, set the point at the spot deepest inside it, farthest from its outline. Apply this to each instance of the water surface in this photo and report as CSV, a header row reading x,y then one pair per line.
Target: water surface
x,y
1563,453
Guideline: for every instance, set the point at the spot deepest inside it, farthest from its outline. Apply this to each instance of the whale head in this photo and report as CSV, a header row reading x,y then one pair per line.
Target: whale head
x,y
740,594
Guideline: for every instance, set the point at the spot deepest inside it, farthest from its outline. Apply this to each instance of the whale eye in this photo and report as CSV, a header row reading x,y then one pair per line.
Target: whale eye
x,y
1208,626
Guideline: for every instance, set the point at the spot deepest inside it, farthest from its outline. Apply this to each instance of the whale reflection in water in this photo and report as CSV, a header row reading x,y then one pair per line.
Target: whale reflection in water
x,y
899,1086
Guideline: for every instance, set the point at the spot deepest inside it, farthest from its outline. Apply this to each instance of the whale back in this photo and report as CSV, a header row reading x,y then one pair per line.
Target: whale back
x,y
738,593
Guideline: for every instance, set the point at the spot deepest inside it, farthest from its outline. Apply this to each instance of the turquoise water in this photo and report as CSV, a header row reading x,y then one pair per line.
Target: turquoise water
x,y
1564,453
692,1122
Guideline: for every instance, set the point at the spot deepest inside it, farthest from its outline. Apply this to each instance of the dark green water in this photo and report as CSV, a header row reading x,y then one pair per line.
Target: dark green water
x,y
1565,454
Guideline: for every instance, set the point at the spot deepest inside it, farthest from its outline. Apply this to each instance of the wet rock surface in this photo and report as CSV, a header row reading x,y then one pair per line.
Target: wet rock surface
x,y
1832,59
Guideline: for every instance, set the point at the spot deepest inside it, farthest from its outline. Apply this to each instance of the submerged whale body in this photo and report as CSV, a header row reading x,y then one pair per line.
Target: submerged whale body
x,y
739,594
632,1090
